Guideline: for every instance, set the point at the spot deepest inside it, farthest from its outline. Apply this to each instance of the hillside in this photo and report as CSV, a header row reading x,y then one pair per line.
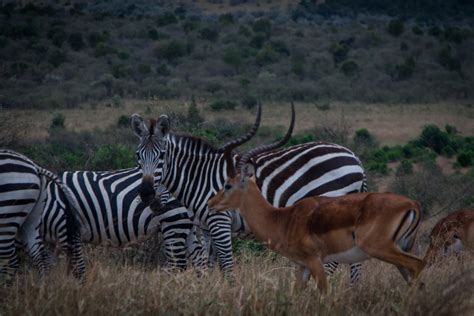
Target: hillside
x,y
63,55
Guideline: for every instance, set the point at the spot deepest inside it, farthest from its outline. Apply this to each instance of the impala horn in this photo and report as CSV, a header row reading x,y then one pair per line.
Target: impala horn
x,y
227,148
264,148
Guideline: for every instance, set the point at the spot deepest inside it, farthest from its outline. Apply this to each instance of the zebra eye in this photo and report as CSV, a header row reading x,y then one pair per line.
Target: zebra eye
x,y
227,186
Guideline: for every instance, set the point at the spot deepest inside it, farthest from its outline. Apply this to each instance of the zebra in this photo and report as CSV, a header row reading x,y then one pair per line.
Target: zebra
x,y
193,171
22,196
112,215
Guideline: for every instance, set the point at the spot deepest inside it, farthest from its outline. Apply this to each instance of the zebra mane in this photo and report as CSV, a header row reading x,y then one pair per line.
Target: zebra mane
x,y
202,145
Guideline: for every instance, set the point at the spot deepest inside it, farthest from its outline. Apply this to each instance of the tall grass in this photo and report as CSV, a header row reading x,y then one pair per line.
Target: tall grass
x,y
263,286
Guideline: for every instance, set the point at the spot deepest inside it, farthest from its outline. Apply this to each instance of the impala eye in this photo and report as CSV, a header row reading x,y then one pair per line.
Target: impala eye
x,y
227,186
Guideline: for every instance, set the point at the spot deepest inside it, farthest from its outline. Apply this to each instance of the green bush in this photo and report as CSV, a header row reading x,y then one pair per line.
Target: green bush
x,y
144,69
403,46
194,117
280,47
298,68
155,35
266,56
465,158
76,41
405,167
263,26
447,60
220,105
123,121
233,57
301,138
95,38
170,50
417,30
58,121
434,138
363,137
103,49
350,68
113,157
226,19
339,52
166,18
209,33
453,34
395,27
434,31
249,101
257,40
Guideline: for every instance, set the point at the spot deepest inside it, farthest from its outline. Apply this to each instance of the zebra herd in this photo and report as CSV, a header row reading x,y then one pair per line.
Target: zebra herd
x,y
167,193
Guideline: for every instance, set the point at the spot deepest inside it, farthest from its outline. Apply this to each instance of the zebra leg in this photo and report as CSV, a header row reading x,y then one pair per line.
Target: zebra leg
x,y
330,267
220,229
355,272
75,258
8,259
33,242
175,249
195,250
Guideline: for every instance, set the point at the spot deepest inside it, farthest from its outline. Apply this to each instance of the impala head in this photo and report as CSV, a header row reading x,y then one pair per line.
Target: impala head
x,y
150,151
242,175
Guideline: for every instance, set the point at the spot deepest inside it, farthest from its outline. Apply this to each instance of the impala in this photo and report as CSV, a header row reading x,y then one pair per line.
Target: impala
x,y
316,230
452,233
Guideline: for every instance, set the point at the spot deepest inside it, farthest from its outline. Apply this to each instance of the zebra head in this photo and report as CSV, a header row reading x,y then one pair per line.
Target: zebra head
x,y
150,152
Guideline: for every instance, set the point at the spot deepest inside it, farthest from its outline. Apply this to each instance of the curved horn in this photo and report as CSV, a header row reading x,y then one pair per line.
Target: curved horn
x,y
258,150
227,148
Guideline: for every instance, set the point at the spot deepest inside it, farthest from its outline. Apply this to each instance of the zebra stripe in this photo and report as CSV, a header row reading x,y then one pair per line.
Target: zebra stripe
x,y
110,214
193,171
22,197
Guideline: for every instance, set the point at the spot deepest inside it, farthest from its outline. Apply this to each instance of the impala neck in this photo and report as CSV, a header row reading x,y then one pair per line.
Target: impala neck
x,y
258,213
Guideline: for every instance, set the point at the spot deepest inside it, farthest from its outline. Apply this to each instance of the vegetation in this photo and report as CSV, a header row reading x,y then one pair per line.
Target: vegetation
x,y
89,52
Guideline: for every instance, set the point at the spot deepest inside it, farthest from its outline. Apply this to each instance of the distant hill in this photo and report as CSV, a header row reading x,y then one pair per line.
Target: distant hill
x,y
64,53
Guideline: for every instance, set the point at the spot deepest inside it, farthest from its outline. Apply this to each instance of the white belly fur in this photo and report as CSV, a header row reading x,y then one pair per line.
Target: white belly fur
x,y
352,255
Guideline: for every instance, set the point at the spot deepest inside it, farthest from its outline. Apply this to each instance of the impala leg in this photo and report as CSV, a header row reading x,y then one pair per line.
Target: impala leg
x,y
403,260
317,272
302,276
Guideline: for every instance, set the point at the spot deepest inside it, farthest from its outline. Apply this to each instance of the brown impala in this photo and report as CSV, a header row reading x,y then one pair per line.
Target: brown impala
x,y
318,229
452,233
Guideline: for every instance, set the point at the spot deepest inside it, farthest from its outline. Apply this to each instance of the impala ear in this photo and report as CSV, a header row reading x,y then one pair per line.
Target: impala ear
x,y
162,127
138,125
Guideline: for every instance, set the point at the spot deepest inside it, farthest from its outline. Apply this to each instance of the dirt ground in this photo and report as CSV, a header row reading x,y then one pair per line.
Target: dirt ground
x,y
390,123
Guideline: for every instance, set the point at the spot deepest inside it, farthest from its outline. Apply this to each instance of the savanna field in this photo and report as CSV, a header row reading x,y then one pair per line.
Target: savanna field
x,y
392,82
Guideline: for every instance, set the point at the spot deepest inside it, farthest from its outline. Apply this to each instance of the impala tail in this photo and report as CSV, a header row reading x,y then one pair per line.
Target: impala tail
x,y
405,234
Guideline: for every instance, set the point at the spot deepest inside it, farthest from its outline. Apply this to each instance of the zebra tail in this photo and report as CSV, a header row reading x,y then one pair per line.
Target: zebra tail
x,y
73,220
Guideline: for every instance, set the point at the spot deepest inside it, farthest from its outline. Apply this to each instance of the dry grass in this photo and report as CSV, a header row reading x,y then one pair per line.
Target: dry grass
x,y
391,124
263,287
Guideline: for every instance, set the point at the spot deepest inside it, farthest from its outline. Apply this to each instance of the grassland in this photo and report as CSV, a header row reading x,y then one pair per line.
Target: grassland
x,y
263,286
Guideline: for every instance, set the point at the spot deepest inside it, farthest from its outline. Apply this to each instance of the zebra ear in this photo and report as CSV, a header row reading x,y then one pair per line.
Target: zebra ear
x,y
247,170
162,127
138,125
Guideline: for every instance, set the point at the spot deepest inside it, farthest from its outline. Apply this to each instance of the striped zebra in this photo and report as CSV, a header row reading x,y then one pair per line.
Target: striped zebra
x,y
194,170
22,196
111,214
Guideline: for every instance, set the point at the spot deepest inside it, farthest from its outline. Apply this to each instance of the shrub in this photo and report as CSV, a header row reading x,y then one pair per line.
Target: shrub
x,y
280,47
112,157
453,34
155,35
266,56
298,68
75,41
103,49
263,26
163,70
363,137
226,19
220,105
170,50
245,31
257,40
417,30
447,60
350,68
58,121
144,69
432,137
405,167
403,46
194,117
166,18
189,26
395,27
249,101
123,121
209,34
434,31
95,38
465,158
213,86
339,52
233,57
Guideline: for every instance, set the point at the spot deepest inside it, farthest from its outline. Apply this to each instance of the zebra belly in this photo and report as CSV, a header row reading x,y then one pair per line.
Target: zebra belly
x,y
354,254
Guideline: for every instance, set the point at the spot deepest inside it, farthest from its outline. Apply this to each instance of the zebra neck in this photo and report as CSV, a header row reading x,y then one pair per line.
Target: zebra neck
x,y
193,171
